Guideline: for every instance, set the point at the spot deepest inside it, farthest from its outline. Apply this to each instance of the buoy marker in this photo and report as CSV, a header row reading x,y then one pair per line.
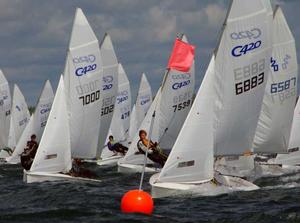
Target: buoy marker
x,y
139,201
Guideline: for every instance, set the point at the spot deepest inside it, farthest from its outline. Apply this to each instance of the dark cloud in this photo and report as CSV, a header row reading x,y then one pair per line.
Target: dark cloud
x,y
35,33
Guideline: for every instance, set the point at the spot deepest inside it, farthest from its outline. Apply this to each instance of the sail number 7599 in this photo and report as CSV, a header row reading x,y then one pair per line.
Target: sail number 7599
x,y
181,105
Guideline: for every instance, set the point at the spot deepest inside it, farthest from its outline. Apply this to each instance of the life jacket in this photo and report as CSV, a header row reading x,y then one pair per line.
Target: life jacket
x,y
139,148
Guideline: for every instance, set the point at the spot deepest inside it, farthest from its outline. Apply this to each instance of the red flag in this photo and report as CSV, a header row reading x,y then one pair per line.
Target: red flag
x,y
182,56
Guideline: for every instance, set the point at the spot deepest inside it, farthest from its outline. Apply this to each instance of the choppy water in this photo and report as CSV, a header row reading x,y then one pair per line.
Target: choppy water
x,y
278,201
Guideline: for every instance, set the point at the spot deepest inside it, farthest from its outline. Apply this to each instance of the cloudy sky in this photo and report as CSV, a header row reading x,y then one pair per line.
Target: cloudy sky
x,y
35,33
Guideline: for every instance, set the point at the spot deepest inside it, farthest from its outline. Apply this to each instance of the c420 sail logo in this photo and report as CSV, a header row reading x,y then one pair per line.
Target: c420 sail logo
x,y
89,60
251,35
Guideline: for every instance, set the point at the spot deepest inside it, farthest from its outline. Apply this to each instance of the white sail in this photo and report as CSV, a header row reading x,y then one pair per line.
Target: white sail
x,y
121,117
241,70
133,125
19,117
294,141
83,84
191,158
110,88
143,100
293,157
54,152
176,99
171,109
141,106
36,123
5,107
119,127
274,126
130,156
170,125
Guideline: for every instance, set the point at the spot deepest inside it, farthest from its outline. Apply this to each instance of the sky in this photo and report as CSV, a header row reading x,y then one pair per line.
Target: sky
x,y
34,35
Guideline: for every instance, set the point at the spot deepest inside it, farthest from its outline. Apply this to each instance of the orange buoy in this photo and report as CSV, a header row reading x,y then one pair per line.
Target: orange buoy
x,y
137,201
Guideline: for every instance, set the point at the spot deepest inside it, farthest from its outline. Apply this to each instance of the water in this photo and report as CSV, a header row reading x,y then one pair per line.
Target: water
x,y
277,201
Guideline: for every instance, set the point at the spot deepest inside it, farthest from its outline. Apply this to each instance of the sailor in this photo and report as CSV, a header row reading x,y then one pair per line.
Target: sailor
x,y
154,152
79,171
116,147
28,155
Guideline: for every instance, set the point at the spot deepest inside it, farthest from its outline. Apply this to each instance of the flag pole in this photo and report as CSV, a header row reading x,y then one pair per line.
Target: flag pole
x,y
146,153
179,36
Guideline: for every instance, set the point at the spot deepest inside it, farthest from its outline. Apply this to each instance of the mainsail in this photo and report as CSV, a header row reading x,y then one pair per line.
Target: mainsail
x,y
5,110
191,158
109,87
54,152
121,117
171,105
83,87
241,72
119,127
293,157
19,117
36,123
141,106
295,139
274,126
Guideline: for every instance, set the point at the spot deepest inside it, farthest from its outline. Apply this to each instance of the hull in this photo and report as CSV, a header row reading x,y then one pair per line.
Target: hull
x,y
242,167
291,159
224,185
32,177
132,168
110,161
273,170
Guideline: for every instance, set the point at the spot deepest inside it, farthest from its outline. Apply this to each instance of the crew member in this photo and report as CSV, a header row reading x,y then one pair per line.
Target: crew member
x,y
116,147
154,152
28,155
79,171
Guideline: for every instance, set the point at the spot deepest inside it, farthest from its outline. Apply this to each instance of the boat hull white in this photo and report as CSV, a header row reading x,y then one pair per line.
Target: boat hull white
x,y
33,177
132,168
109,161
273,170
226,184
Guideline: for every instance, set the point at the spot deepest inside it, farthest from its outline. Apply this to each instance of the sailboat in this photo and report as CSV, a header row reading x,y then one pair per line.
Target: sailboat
x,y
109,89
83,87
119,127
274,126
5,111
18,120
224,115
289,64
53,158
73,124
36,123
141,106
171,106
